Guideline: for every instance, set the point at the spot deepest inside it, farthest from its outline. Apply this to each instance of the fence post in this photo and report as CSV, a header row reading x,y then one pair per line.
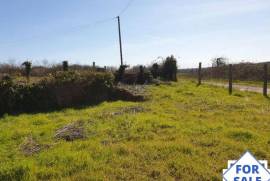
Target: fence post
x,y
230,79
265,81
200,74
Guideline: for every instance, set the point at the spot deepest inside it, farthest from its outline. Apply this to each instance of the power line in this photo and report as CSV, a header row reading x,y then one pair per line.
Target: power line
x,y
74,28
119,28
57,32
126,7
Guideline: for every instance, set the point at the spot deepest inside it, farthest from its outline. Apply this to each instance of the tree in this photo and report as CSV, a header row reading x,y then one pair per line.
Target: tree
x,y
120,73
140,76
65,65
169,69
27,67
155,70
219,62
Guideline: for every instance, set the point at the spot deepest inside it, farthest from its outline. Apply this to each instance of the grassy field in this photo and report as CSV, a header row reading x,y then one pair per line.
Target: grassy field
x,y
182,132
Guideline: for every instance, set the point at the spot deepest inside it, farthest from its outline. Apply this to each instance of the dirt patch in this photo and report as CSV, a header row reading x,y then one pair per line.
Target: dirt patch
x,y
135,89
29,146
129,93
71,132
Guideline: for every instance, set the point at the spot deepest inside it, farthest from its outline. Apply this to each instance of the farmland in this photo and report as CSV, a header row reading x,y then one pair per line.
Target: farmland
x,y
181,132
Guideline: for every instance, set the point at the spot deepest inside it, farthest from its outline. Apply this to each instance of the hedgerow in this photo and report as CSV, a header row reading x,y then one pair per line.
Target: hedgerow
x,y
59,90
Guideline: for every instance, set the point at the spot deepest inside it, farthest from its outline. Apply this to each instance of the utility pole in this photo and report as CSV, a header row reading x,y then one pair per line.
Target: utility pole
x,y
120,40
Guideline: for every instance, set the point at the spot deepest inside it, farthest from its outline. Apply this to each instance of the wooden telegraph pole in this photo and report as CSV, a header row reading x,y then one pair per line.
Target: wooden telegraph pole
x,y
120,40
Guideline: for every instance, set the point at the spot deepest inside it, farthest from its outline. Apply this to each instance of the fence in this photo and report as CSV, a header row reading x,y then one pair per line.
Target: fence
x,y
243,72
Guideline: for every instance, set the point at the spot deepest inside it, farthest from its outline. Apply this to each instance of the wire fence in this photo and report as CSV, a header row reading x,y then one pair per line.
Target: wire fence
x,y
232,74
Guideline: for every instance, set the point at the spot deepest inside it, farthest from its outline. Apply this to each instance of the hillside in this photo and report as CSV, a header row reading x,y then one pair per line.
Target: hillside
x,y
182,132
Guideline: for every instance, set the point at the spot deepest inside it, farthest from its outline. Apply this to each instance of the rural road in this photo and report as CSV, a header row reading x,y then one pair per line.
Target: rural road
x,y
238,87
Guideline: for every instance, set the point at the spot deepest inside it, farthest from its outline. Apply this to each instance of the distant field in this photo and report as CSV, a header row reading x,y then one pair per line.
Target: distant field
x,y
183,132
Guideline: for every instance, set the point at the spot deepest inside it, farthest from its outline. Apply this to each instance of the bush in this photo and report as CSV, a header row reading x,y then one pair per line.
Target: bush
x,y
148,77
169,69
28,66
62,89
119,74
155,70
137,75
7,95
10,69
140,76
65,65
130,78
219,62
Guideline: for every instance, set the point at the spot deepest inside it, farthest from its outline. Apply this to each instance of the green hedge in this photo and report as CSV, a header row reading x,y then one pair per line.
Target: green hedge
x,y
62,89
169,69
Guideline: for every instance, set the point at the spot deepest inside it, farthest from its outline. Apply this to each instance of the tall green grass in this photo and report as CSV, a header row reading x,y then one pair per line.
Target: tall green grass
x,y
183,132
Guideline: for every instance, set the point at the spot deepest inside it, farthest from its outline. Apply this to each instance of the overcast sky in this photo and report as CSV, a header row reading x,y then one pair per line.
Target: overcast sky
x,y
192,30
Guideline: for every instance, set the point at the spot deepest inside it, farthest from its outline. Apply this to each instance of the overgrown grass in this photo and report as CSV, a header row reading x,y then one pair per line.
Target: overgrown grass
x,y
183,132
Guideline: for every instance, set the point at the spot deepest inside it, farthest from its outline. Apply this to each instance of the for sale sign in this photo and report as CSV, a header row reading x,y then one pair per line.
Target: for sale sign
x,y
247,168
